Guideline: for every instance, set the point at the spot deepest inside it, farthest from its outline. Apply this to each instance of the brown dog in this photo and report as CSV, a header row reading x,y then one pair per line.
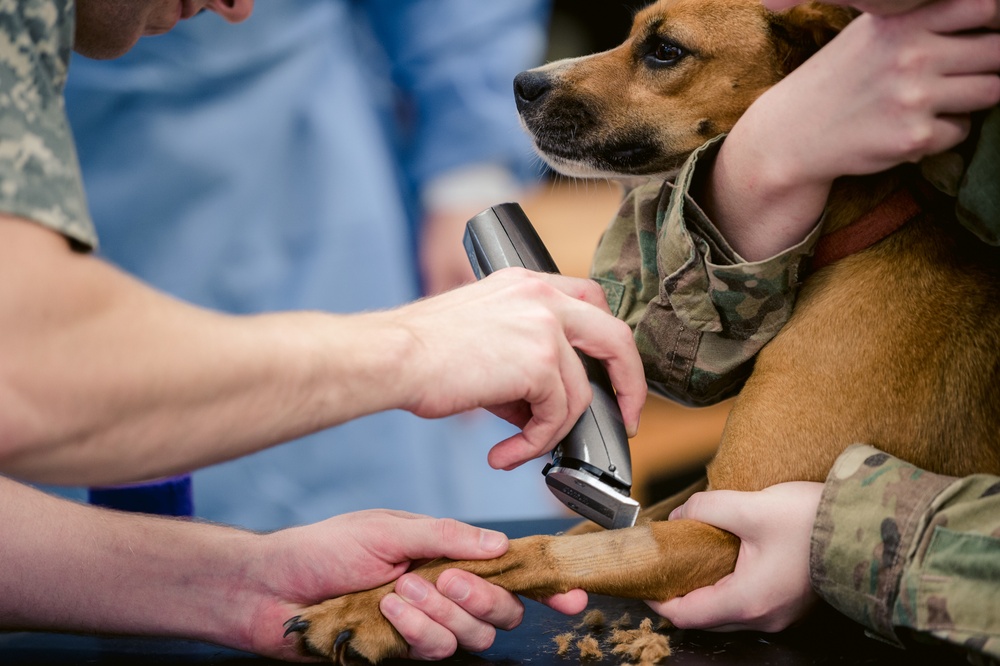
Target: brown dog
x,y
897,345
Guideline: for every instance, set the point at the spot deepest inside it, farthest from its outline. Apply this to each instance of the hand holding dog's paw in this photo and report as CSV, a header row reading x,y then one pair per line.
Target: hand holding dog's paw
x,y
315,586
416,618
411,619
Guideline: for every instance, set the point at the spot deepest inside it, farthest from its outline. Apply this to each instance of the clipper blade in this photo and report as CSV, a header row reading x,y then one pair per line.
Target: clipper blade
x,y
592,498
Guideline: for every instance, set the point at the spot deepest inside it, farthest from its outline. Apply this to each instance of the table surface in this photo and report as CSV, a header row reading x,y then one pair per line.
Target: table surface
x,y
825,638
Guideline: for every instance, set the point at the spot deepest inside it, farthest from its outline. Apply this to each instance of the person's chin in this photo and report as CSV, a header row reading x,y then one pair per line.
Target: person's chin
x,y
152,31
163,24
105,49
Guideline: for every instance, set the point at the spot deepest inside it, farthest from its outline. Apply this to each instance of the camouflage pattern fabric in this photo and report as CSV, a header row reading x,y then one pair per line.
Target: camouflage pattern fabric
x,y
979,192
700,313
39,173
970,172
910,554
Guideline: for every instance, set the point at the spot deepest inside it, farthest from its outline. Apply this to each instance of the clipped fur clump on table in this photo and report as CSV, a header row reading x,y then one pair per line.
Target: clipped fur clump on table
x,y
640,647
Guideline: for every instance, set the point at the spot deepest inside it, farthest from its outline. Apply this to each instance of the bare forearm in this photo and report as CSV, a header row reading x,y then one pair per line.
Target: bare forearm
x,y
91,570
761,203
108,381
75,568
104,380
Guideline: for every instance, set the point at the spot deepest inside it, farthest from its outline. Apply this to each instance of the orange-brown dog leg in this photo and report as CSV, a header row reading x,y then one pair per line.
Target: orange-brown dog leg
x,y
664,560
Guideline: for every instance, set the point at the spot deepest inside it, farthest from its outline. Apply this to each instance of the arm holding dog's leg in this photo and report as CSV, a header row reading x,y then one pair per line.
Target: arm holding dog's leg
x,y
942,577
887,90
152,576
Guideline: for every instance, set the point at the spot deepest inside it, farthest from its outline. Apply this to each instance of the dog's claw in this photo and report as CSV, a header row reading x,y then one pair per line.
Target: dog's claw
x,y
342,638
341,648
294,624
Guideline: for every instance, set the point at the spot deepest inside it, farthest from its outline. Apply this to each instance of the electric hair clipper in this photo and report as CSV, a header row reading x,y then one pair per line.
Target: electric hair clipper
x,y
591,470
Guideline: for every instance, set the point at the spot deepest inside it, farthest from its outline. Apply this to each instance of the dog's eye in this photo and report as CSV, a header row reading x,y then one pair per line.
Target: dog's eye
x,y
666,53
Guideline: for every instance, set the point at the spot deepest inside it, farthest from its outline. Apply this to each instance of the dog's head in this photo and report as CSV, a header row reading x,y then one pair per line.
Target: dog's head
x,y
686,73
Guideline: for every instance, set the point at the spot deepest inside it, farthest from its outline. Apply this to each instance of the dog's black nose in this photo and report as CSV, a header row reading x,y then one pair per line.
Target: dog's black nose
x,y
530,87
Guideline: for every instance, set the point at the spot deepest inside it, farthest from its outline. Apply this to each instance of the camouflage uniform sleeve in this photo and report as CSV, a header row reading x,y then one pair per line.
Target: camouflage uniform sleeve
x,y
978,196
39,173
699,311
970,172
910,554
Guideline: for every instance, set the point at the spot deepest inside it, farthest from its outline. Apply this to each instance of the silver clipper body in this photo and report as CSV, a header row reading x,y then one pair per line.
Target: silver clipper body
x,y
591,469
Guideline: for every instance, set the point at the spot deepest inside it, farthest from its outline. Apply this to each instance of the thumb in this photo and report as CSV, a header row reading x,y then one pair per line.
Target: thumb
x,y
424,538
725,509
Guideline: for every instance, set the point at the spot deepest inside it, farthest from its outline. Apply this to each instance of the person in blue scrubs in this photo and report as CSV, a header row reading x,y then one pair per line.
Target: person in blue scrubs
x,y
307,159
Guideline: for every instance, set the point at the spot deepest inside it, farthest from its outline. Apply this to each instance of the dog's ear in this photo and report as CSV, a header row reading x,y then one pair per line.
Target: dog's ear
x,y
801,31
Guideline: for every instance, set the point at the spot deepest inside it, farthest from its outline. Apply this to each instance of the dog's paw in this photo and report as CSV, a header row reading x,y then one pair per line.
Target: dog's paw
x,y
348,630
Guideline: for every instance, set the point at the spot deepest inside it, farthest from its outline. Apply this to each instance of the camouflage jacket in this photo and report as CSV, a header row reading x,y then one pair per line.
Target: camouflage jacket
x,y
906,552
971,174
700,313
39,173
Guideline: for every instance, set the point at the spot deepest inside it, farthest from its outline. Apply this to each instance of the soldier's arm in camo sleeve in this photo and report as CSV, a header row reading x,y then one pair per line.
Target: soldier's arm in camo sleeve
x,y
39,174
699,311
969,172
905,552
978,195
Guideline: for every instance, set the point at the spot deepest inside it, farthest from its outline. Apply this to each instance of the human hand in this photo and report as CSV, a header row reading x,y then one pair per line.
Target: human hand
x,y
887,90
769,589
507,343
358,551
880,7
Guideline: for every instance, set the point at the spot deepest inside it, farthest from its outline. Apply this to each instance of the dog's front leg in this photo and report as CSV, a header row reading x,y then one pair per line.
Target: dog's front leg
x,y
657,561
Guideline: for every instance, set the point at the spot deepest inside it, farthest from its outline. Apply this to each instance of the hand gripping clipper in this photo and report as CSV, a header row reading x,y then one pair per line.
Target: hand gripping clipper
x,y
591,469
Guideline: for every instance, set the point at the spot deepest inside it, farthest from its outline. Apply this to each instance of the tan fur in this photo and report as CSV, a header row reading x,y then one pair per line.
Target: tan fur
x,y
642,646
897,346
590,649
